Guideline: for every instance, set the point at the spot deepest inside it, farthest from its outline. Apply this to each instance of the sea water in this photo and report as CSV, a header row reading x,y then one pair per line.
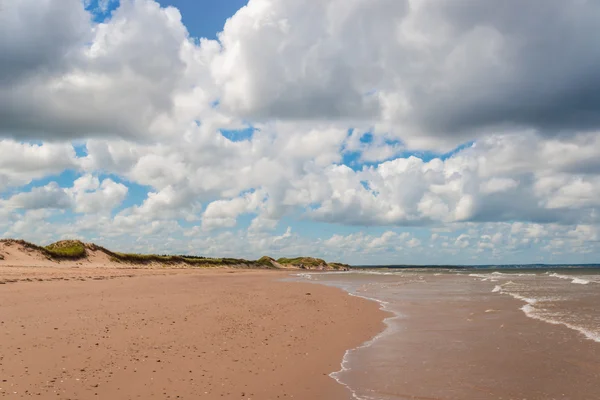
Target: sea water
x,y
448,305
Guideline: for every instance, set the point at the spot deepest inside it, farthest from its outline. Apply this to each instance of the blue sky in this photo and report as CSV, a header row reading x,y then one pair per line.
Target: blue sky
x,y
340,130
202,18
205,18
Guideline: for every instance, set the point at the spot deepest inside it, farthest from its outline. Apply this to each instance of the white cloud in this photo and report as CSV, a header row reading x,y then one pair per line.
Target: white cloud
x,y
45,197
495,185
224,213
404,68
462,241
146,104
410,67
414,243
166,204
20,163
88,195
45,50
92,196
138,75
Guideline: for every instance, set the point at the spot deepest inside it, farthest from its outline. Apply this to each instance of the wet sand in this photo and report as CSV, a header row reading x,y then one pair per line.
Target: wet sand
x,y
152,334
473,354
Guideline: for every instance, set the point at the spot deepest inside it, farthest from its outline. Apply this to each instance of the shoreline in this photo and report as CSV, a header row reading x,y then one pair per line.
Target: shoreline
x,y
461,339
236,333
389,316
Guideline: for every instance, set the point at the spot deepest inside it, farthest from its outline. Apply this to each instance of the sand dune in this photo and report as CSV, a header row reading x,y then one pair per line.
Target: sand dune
x,y
21,253
74,253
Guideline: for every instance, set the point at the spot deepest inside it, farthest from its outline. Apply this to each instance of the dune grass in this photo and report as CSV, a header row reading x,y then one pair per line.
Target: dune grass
x,y
305,261
67,249
266,261
75,249
339,266
195,261
64,249
311,263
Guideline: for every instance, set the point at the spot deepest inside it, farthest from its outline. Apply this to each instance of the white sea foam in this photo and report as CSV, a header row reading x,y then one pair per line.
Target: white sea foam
x,y
533,307
512,274
363,272
518,289
532,312
480,275
495,276
580,281
304,275
483,277
555,275
383,305
527,300
573,279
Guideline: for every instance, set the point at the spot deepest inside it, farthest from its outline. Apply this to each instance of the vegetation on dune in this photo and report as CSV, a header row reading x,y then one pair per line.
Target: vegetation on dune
x,y
197,261
309,262
67,249
266,261
155,258
64,249
194,261
339,266
75,249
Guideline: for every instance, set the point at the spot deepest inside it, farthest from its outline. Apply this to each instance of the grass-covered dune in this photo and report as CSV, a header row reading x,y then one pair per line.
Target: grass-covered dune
x,y
67,249
64,249
77,250
311,263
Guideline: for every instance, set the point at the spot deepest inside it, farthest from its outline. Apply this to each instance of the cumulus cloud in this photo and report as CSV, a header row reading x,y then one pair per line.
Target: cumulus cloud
x,y
164,205
335,98
432,75
20,163
436,73
28,53
224,213
45,197
137,75
87,195
388,241
92,196
477,184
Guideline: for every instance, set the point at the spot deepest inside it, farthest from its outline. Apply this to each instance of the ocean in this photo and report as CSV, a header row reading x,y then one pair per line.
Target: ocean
x,y
476,333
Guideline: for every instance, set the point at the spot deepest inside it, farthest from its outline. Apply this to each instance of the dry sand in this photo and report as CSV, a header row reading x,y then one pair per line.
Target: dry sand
x,y
174,334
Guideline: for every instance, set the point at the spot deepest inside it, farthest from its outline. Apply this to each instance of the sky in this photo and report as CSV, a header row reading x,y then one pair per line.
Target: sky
x,y
367,132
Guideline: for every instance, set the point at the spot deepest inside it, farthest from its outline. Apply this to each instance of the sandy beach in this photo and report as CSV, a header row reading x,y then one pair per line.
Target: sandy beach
x,y
124,332
77,333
